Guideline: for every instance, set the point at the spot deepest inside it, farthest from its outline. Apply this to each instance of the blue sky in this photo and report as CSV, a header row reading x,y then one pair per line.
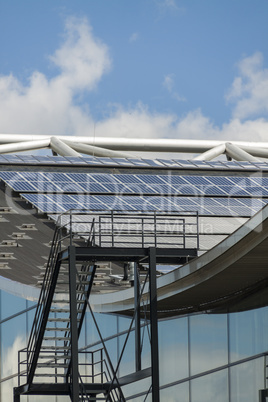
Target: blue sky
x,y
144,68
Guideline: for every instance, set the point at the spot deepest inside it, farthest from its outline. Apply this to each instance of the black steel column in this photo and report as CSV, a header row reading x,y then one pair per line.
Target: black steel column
x,y
137,318
154,325
16,396
263,394
73,326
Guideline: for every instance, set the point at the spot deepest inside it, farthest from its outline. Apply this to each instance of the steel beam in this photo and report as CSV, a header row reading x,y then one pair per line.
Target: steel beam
x,y
137,318
16,397
154,325
73,326
168,255
263,395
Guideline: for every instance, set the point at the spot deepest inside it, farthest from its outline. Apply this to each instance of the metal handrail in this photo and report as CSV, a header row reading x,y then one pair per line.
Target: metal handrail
x,y
144,229
44,293
113,229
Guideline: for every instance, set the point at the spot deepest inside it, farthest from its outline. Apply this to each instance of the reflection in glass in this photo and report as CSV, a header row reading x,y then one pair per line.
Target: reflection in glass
x,y
248,333
107,324
141,389
246,380
11,304
173,350
13,333
208,342
176,393
212,387
127,365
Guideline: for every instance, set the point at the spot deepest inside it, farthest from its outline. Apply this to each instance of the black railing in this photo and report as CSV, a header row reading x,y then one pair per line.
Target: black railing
x,y
92,366
45,298
106,229
137,229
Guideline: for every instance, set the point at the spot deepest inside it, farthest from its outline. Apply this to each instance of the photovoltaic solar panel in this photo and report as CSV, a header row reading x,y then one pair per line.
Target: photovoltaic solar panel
x,y
141,183
223,207
202,164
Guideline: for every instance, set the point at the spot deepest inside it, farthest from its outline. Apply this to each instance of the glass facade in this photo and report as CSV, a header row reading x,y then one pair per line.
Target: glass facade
x,y
202,357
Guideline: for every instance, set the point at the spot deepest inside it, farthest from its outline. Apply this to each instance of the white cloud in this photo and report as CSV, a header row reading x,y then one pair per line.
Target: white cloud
x,y
167,4
169,84
46,106
134,37
249,91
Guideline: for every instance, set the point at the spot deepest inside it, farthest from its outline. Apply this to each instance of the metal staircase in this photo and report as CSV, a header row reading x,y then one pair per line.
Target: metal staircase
x,y
46,363
52,364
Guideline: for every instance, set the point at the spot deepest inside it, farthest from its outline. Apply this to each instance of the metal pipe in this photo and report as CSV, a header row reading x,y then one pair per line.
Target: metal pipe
x,y
61,148
260,152
96,151
211,153
136,144
239,154
24,146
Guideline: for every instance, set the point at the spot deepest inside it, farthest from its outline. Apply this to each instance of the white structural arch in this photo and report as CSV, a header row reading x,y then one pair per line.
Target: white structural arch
x,y
123,147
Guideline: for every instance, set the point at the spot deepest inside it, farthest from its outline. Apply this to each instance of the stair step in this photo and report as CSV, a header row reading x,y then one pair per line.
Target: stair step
x,y
54,365
60,301
56,348
56,338
54,357
64,310
49,375
59,319
91,398
58,329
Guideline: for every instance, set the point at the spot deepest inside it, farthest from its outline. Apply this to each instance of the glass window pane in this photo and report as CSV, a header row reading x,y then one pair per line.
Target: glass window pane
x,y
248,333
127,364
11,304
246,381
138,391
13,337
212,387
176,393
208,342
173,350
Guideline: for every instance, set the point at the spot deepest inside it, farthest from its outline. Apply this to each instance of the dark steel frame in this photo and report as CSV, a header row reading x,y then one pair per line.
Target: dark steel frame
x,y
73,254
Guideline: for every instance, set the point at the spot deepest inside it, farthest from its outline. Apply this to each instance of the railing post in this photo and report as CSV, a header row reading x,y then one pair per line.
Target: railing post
x,y
73,326
99,231
112,223
155,236
93,238
71,229
154,324
137,318
183,232
197,230
142,231
93,370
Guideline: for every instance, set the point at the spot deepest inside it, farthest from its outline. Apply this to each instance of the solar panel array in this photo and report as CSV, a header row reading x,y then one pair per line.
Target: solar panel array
x,y
55,192
130,162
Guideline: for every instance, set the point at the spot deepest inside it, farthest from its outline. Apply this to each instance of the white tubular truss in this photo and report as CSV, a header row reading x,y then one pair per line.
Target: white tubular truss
x,y
112,147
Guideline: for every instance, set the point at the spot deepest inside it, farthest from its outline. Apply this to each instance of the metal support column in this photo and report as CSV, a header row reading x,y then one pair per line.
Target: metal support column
x,y
154,325
137,318
263,395
16,396
73,326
